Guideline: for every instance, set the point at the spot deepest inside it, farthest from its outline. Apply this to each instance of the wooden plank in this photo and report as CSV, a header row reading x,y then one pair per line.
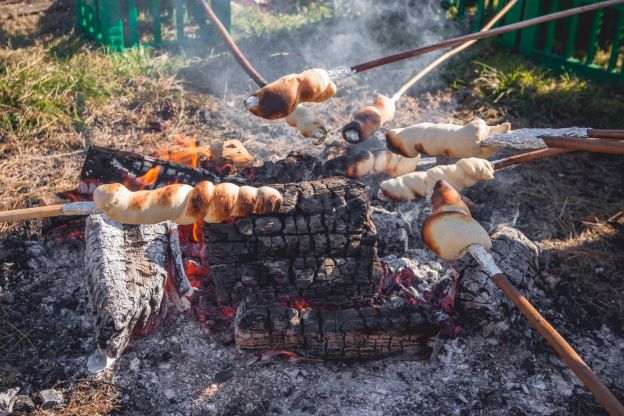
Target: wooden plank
x,y
550,30
572,33
528,36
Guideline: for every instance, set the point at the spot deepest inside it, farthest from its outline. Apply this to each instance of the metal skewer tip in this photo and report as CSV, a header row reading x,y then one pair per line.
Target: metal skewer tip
x,y
339,73
80,208
252,102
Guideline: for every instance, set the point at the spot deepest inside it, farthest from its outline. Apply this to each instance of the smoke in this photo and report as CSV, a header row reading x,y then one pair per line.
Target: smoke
x,y
357,31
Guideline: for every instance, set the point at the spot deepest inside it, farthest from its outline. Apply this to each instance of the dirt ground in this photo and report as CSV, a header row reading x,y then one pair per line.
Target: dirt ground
x,y
572,206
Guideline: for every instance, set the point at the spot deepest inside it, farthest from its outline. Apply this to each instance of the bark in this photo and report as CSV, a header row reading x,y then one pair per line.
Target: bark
x,y
320,247
479,300
345,334
126,274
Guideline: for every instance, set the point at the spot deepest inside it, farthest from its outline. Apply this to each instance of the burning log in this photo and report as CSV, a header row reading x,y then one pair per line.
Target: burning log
x,y
346,334
320,247
126,274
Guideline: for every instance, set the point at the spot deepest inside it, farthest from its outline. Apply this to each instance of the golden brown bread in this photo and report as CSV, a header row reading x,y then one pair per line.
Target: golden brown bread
x,y
368,163
463,174
444,139
304,120
450,229
184,204
280,98
369,119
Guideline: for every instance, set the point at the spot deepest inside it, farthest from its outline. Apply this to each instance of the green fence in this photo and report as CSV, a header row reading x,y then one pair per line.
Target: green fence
x,y
589,44
125,23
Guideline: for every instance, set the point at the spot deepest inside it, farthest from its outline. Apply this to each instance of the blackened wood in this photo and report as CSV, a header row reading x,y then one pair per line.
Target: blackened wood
x,y
296,167
320,247
126,273
345,334
479,300
104,165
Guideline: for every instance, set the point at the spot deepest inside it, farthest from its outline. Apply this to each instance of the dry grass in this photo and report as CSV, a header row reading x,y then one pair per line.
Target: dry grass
x,y
87,398
12,338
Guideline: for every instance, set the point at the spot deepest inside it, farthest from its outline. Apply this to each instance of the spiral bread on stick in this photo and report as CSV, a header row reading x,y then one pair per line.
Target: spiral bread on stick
x,y
463,174
280,98
444,139
184,204
450,229
304,120
369,119
368,163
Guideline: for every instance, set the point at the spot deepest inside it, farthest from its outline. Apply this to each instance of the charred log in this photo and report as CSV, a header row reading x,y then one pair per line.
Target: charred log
x,y
479,300
346,334
126,274
321,247
296,167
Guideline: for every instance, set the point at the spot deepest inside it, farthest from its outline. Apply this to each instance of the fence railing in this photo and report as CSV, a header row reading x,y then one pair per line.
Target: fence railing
x,y
590,44
124,23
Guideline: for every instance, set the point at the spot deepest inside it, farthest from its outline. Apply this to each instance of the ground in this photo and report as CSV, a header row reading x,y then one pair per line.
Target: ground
x,y
60,93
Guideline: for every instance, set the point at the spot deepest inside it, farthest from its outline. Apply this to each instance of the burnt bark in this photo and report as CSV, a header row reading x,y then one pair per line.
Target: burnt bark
x,y
126,274
320,247
345,334
480,301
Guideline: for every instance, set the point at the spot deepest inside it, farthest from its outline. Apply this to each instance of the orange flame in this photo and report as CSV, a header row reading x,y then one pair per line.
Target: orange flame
x,y
184,151
198,231
141,182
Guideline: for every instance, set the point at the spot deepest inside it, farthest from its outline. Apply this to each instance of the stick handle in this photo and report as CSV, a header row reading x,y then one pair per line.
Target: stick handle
x,y
615,147
606,134
528,157
32,213
565,351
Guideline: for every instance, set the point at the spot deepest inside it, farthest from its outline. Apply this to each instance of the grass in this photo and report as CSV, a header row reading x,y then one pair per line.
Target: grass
x,y
534,96
42,94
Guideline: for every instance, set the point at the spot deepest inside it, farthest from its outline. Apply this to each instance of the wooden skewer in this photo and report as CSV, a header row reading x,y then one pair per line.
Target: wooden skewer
x,y
482,35
452,52
550,334
57,210
606,134
527,157
598,145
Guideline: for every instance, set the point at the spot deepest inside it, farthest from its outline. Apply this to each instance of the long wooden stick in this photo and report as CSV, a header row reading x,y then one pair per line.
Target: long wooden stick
x,y
611,146
452,52
606,134
527,157
236,52
550,334
57,210
482,35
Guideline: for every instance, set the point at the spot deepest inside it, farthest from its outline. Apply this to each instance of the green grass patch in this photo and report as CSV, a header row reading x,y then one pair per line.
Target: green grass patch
x,y
524,90
41,93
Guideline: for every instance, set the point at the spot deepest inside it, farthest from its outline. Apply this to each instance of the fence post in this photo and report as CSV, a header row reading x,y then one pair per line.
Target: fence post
x,y
528,35
514,15
133,24
155,12
593,36
617,41
179,13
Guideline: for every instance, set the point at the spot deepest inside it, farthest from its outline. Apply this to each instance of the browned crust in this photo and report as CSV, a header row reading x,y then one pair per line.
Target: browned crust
x,y
267,204
427,233
165,196
199,198
394,144
138,200
444,195
244,204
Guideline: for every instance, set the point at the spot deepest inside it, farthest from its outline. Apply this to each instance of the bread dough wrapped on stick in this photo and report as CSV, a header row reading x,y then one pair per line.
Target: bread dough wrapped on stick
x,y
184,204
369,119
280,98
444,139
368,163
463,174
304,120
450,229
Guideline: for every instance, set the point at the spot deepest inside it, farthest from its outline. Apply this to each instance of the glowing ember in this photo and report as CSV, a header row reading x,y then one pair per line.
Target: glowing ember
x,y
272,354
301,304
184,150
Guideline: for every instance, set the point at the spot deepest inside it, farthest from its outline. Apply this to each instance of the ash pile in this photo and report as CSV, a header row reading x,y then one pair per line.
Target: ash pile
x,y
331,305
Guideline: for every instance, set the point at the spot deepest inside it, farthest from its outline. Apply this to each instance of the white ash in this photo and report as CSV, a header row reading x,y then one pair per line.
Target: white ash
x,y
471,374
